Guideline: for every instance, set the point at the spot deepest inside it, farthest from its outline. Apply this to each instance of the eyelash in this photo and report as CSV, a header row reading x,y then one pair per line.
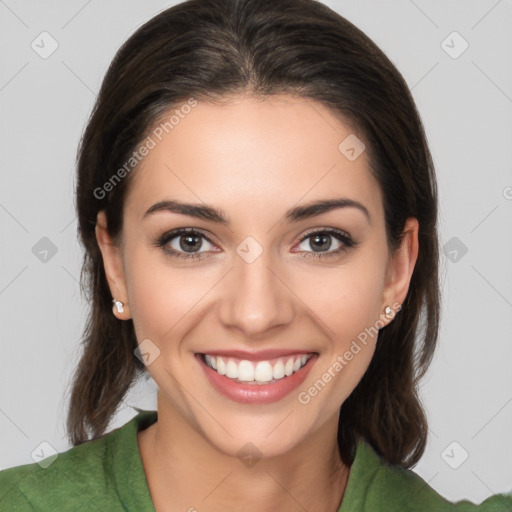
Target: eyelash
x,y
341,236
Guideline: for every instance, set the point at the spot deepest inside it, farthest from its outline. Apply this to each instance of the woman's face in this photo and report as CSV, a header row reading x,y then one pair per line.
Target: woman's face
x,y
276,280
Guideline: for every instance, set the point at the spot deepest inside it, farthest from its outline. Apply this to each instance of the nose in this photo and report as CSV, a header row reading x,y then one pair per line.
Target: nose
x,y
256,297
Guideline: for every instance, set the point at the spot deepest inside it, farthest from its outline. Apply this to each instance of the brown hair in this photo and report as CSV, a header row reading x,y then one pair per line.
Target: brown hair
x,y
210,49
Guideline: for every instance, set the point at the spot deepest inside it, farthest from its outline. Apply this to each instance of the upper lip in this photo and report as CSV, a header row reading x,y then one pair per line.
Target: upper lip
x,y
261,355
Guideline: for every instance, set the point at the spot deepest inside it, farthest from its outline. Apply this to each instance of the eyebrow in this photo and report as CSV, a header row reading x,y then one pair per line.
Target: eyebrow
x,y
295,214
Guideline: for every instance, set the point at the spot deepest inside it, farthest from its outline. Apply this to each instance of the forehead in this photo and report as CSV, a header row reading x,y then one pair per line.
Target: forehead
x,y
260,154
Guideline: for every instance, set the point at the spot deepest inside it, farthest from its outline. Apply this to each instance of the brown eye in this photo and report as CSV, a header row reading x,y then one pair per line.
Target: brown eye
x,y
320,242
184,243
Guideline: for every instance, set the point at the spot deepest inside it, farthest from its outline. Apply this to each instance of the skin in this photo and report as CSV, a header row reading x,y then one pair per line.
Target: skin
x,y
254,159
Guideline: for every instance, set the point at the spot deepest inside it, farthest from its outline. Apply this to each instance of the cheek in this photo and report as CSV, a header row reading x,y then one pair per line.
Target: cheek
x,y
348,298
164,300
158,297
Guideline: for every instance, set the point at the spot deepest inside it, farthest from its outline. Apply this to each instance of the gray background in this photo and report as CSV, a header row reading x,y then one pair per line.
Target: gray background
x,y
466,105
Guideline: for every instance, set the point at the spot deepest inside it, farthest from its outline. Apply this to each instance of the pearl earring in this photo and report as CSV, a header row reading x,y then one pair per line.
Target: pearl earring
x,y
119,305
388,312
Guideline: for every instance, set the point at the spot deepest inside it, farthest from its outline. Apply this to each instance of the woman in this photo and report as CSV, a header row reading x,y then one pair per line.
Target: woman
x,y
257,204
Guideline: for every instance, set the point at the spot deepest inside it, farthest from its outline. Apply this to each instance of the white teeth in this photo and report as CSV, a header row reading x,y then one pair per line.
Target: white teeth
x,y
221,366
260,372
245,371
232,370
263,372
278,370
288,367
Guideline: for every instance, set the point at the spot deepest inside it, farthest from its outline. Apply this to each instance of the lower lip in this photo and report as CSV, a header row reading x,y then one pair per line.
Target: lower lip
x,y
256,393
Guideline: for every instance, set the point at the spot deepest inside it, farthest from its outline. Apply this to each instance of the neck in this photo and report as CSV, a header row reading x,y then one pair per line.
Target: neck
x,y
186,472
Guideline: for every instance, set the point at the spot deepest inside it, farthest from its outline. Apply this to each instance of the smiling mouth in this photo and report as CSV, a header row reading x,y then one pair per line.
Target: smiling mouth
x,y
264,372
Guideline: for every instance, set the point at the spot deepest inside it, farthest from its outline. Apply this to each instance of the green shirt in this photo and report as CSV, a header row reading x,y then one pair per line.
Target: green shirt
x,y
107,474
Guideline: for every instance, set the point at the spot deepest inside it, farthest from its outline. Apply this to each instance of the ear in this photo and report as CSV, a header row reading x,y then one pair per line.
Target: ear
x,y
113,264
400,268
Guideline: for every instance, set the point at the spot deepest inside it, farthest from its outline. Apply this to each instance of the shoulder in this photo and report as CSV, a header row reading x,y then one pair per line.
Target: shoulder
x,y
80,471
81,477
378,485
